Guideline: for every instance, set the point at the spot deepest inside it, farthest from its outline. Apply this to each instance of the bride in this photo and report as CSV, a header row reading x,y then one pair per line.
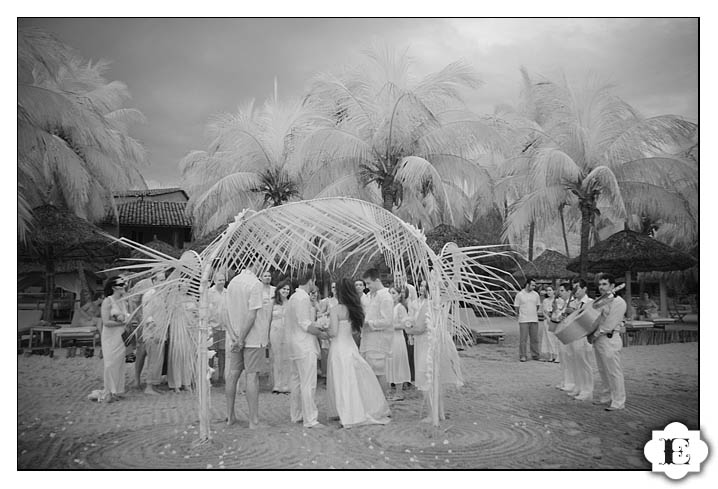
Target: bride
x,y
353,391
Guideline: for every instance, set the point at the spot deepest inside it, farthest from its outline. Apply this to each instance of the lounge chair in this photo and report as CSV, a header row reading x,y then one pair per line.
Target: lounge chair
x,y
468,318
81,328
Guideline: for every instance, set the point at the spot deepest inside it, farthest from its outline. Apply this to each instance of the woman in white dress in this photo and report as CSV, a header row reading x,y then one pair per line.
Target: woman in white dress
x,y
279,341
353,391
548,340
114,319
397,363
450,366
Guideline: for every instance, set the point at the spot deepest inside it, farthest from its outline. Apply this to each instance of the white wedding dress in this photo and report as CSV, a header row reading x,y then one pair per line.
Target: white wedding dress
x,y
353,391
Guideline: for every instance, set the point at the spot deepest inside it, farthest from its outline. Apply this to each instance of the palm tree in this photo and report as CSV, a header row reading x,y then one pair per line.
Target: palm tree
x,y
396,140
246,162
604,158
74,150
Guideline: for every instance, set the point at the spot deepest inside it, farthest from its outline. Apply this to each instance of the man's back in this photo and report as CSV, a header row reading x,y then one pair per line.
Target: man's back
x,y
244,294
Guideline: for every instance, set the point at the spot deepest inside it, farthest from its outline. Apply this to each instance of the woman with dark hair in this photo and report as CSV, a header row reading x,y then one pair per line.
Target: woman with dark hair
x,y
279,340
353,391
114,319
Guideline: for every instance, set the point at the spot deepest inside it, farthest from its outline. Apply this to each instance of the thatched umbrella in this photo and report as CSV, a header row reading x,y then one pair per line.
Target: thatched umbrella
x,y
628,251
60,236
552,264
198,245
158,245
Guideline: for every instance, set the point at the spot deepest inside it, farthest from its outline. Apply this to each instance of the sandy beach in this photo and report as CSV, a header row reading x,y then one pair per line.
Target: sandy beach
x,y
508,415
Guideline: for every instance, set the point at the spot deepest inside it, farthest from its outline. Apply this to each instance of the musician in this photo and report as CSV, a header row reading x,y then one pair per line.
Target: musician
x,y
607,346
581,350
527,303
565,355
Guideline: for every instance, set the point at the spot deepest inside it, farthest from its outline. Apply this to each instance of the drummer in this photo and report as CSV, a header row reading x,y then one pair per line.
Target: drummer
x,y
581,350
565,355
607,347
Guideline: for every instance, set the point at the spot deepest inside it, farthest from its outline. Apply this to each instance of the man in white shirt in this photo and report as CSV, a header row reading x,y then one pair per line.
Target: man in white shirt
x,y
218,321
244,300
580,350
377,332
607,344
527,302
303,352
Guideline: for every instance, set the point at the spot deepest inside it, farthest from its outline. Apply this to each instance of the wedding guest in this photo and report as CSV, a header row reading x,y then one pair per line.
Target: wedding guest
x,y
377,333
397,367
279,340
114,320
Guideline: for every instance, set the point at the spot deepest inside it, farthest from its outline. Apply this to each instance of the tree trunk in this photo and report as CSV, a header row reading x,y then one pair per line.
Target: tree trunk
x,y
532,231
586,215
563,230
388,193
49,284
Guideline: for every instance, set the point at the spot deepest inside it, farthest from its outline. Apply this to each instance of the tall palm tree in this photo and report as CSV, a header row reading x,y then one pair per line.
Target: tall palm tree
x,y
245,164
395,137
74,150
604,158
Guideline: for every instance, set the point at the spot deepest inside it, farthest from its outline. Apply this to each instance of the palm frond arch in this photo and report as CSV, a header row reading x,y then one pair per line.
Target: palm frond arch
x,y
330,231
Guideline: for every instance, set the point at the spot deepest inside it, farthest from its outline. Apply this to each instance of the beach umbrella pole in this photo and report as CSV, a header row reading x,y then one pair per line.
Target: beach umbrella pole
x,y
663,295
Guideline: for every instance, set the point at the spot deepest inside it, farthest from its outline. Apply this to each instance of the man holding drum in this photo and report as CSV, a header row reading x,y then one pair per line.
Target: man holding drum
x,y
527,303
607,344
580,363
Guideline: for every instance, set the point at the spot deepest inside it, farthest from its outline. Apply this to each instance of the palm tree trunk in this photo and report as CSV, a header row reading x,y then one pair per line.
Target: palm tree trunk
x,y
586,215
388,193
49,285
563,229
532,231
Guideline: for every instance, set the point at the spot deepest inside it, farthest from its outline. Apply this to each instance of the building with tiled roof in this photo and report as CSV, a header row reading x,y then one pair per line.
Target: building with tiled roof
x,y
143,216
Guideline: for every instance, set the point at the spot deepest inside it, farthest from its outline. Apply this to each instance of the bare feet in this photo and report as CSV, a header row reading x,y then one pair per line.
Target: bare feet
x,y
231,420
258,425
151,390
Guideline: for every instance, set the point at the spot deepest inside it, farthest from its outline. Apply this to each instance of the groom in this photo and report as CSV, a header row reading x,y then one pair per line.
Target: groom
x,y
303,352
377,332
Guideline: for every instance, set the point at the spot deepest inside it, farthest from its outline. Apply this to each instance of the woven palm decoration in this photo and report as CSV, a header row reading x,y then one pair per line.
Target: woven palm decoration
x,y
333,232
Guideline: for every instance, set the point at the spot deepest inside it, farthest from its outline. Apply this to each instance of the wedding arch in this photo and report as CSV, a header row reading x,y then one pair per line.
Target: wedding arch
x,y
334,232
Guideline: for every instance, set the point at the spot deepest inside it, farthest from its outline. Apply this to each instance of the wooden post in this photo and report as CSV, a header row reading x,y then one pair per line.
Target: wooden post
x,y
663,297
629,307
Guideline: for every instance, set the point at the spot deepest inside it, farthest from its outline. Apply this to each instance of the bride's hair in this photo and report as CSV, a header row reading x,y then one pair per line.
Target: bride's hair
x,y
348,296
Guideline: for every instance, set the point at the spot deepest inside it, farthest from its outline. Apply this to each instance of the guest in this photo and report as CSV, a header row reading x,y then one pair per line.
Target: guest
x,y
353,391
218,320
244,301
397,367
377,333
279,340
182,334
450,369
153,335
400,281
114,320
581,350
323,309
527,303
134,306
549,341
360,287
607,345
646,307
304,352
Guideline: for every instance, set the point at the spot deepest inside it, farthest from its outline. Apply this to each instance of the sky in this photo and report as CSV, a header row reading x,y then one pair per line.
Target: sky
x,y
182,71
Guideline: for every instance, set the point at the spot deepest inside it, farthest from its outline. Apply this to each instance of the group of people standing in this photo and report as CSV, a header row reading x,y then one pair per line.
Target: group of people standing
x,y
605,344
357,338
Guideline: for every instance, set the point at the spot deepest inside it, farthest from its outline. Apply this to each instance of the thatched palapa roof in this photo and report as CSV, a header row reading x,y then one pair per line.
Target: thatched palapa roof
x,y
550,264
631,251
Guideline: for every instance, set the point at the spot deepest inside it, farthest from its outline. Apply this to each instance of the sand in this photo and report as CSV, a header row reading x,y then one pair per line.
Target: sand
x,y
509,415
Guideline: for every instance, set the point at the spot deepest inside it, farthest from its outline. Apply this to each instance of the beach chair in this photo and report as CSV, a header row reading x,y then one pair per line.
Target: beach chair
x,y
75,331
29,324
468,318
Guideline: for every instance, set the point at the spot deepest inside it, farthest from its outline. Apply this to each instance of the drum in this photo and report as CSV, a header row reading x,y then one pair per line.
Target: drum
x,y
577,325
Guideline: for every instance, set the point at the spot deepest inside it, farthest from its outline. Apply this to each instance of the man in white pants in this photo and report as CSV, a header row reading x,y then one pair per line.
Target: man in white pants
x,y
303,353
581,350
607,344
565,354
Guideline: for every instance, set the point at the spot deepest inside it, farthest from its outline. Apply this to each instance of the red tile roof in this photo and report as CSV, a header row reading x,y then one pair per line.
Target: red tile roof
x,y
153,213
149,192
